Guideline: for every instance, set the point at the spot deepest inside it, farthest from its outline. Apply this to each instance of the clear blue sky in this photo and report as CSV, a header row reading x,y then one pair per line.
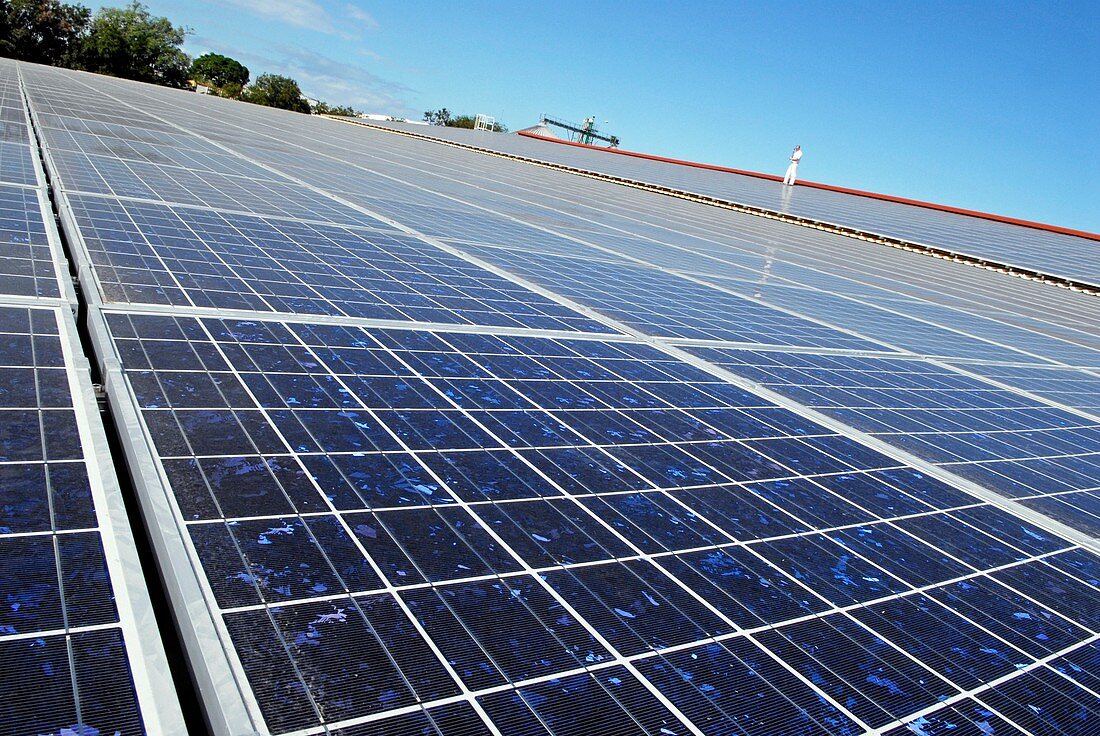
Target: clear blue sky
x,y
985,105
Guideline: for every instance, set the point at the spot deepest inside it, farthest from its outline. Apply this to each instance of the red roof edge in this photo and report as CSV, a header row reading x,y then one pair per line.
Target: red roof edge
x,y
829,188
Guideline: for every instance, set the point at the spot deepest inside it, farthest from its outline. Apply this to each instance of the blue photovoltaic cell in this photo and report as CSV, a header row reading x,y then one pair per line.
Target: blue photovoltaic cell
x,y
1042,702
1081,666
734,687
1027,625
876,682
611,702
956,649
495,613
964,718
456,719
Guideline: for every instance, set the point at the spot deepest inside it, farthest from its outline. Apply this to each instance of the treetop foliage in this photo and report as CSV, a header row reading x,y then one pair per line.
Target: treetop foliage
x,y
274,90
323,108
219,70
443,116
130,42
42,31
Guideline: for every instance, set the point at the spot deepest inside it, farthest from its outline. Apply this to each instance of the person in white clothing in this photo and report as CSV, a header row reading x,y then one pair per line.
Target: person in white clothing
x,y
792,170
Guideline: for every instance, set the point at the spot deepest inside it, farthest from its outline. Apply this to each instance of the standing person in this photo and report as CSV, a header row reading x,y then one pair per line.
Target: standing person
x,y
792,170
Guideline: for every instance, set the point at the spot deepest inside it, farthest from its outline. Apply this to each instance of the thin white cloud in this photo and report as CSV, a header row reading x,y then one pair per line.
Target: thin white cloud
x,y
372,55
344,83
324,78
307,14
358,14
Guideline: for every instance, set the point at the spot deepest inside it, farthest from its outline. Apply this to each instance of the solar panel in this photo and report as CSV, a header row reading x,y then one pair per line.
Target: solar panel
x,y
154,254
427,442
30,264
1047,252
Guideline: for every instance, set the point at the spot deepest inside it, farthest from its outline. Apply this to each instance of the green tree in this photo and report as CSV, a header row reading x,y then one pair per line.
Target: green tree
x,y
437,117
42,31
468,121
231,90
276,91
323,108
461,121
130,42
443,116
219,70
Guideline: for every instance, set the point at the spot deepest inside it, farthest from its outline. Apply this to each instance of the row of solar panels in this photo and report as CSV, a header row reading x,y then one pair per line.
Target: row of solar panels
x,y
73,601
401,480
1064,255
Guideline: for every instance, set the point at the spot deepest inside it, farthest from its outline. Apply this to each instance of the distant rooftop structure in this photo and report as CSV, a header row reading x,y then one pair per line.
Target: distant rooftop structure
x,y
542,130
378,117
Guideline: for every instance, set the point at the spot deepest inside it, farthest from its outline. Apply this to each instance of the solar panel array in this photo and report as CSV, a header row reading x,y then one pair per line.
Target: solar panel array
x,y
73,601
430,442
1058,254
